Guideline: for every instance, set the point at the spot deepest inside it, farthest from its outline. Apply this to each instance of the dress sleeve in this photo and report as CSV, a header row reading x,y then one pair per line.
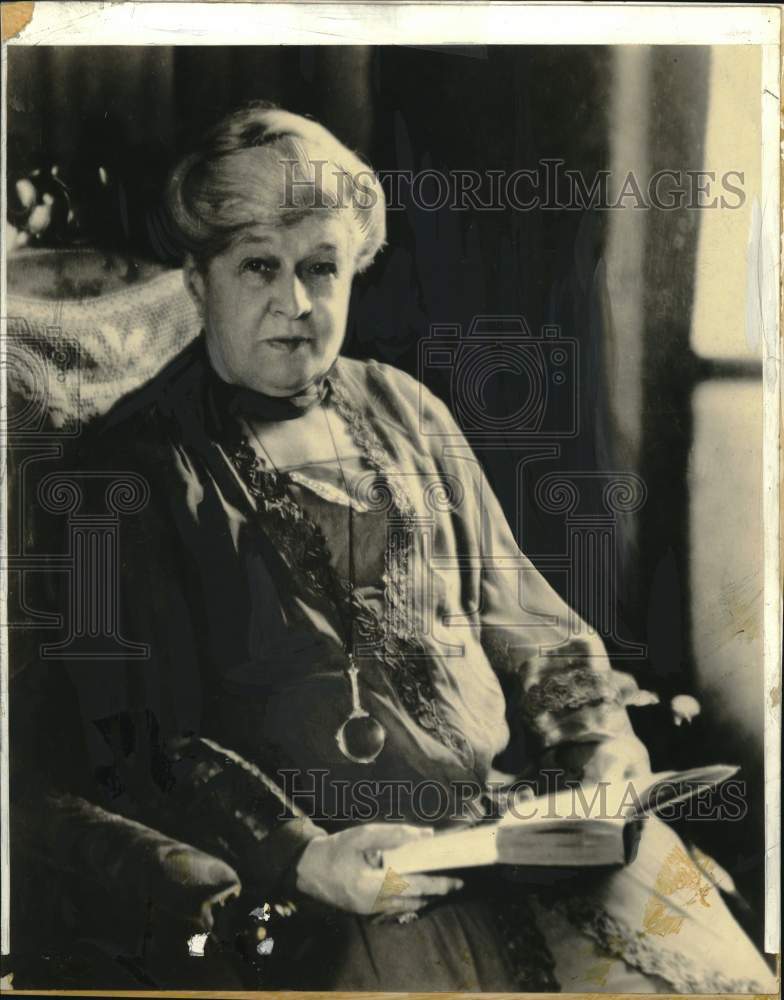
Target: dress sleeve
x,y
562,683
566,689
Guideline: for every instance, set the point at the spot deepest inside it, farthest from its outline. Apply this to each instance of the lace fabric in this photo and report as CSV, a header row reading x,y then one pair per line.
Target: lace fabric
x,y
570,688
683,973
398,619
303,544
326,491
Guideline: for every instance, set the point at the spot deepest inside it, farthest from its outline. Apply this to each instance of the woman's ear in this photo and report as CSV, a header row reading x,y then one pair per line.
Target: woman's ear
x,y
193,277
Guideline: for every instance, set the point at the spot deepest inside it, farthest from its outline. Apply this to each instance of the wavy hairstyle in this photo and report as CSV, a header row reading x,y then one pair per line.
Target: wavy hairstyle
x,y
261,164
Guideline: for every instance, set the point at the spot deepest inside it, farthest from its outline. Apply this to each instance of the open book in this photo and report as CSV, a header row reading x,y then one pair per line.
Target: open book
x,y
594,826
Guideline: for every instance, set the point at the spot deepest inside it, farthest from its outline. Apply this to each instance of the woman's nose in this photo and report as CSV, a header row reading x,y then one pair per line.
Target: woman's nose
x,y
290,298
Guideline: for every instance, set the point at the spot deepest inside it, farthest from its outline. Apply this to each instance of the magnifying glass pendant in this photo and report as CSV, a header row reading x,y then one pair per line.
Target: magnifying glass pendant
x,y
361,738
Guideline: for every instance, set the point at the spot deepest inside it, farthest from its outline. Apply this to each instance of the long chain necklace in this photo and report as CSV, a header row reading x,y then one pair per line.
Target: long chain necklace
x,y
360,738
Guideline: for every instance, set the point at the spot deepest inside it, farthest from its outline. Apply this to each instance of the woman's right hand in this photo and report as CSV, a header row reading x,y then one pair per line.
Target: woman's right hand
x,y
335,870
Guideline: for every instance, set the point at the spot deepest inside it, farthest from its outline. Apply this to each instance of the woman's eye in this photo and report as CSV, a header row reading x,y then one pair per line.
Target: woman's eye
x,y
323,267
257,265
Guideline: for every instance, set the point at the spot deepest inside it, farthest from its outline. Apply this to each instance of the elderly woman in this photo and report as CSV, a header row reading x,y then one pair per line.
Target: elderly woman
x,y
336,634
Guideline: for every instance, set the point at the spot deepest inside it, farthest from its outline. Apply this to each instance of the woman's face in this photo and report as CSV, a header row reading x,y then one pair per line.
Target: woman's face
x,y
274,304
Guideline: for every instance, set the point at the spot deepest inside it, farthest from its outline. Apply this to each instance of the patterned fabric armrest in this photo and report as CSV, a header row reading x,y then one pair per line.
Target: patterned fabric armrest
x,y
124,856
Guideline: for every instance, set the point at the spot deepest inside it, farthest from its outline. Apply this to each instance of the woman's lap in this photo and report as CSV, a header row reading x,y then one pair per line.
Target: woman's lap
x,y
657,926
451,947
661,919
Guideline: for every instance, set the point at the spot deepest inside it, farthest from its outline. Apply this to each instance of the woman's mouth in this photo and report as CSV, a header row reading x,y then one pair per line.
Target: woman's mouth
x,y
286,344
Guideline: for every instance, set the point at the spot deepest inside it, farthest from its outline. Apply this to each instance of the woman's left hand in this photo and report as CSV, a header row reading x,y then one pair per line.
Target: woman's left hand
x,y
336,869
